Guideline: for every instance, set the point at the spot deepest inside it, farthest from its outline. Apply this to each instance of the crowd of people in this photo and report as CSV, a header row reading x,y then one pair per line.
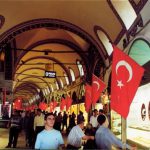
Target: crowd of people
x,y
44,131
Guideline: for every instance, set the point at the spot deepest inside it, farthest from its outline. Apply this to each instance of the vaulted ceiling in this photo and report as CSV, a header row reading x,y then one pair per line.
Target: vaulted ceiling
x,y
56,33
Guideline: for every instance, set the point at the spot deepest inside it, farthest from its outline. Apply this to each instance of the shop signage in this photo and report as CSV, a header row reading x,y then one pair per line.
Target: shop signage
x,y
50,74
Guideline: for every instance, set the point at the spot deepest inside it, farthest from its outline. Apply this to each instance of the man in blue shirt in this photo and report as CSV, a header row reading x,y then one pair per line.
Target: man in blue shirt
x,y
49,138
105,138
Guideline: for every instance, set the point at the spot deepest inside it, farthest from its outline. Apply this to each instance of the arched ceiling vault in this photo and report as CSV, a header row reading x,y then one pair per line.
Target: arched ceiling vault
x,y
56,34
26,90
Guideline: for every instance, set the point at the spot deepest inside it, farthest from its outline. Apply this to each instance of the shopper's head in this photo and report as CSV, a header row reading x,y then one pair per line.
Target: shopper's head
x,y
101,111
95,112
80,112
39,111
49,120
81,123
16,113
103,120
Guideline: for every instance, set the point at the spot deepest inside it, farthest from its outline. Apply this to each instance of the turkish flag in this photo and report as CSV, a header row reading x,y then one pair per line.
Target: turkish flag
x,y
97,87
43,106
18,104
62,104
88,97
4,96
126,77
33,107
68,102
40,105
51,107
54,104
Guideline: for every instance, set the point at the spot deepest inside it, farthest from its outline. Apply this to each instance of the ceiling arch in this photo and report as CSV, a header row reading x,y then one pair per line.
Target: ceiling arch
x,y
68,43
32,89
47,58
45,23
36,82
28,86
67,29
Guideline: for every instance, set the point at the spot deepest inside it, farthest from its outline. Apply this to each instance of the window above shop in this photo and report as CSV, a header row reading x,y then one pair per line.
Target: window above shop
x,y
105,41
80,67
128,17
72,74
140,51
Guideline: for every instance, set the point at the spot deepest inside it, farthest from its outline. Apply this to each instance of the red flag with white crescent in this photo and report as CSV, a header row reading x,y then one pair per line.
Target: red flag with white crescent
x,y
97,87
126,77
88,97
68,102
18,104
43,106
62,104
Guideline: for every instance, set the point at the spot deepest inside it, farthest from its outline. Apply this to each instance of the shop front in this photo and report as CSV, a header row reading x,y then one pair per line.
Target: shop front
x,y
135,129
138,121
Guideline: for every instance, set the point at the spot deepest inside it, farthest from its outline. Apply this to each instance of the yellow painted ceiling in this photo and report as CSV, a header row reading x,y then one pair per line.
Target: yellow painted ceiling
x,y
84,14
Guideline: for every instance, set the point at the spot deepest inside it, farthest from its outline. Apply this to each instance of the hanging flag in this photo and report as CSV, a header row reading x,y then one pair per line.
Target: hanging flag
x,y
68,102
32,107
51,106
18,104
62,104
4,95
88,97
126,77
97,87
43,106
54,104
40,105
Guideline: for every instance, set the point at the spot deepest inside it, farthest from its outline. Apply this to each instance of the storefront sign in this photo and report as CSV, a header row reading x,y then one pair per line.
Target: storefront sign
x,y
50,74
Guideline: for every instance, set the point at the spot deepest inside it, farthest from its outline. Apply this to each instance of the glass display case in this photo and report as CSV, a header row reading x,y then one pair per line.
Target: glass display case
x,y
138,121
116,124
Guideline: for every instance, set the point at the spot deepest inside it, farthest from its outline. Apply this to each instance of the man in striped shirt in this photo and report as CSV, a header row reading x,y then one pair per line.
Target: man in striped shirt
x,y
15,127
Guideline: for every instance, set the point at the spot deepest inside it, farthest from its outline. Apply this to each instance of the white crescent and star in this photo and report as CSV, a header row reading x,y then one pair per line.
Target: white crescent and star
x,y
98,86
128,67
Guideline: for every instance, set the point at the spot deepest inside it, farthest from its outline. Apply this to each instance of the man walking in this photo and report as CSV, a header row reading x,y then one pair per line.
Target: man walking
x,y
49,138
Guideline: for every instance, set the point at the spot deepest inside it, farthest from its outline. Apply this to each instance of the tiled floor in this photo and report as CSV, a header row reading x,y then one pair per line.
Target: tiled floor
x,y
4,135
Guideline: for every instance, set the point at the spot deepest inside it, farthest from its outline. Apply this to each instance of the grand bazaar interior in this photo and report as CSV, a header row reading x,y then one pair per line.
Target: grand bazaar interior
x,y
50,50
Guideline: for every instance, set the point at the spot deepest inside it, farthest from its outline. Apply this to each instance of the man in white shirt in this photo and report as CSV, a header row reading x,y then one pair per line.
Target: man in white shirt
x,y
93,119
76,136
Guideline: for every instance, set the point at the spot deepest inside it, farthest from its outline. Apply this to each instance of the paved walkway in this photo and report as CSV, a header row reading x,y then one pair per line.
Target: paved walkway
x,y
4,135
